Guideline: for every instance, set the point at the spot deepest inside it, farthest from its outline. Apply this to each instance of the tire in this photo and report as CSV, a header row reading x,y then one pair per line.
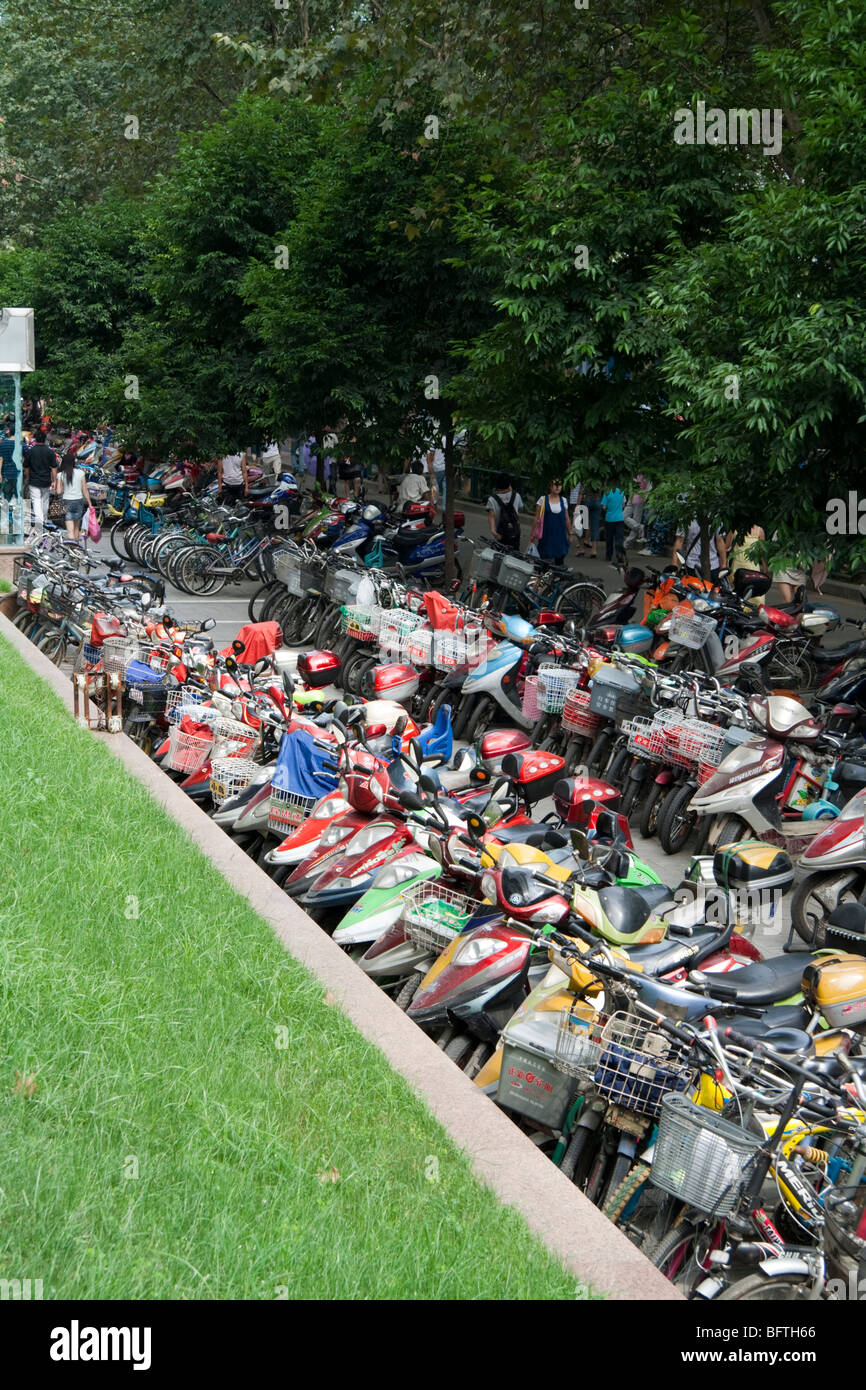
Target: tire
x,y
631,795
53,645
23,620
729,829
259,597
618,1198
459,1048
758,1288
477,1059
671,1248
675,826
117,538
652,808
175,561
408,992
193,576
479,720
598,755
574,752
619,1172
617,768
467,714
817,896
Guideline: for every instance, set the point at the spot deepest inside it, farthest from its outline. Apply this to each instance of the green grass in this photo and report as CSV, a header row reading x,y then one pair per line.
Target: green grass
x,y
5,586
173,1142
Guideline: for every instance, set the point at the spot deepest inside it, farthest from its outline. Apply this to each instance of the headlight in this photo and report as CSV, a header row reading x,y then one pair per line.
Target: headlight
x,y
331,806
376,792
400,871
489,888
334,834
479,948
341,883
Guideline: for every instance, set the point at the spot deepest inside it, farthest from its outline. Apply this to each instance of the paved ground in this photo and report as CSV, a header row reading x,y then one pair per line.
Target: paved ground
x,y
230,611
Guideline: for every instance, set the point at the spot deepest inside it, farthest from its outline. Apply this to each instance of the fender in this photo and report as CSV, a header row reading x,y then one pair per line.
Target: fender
x,y
784,1265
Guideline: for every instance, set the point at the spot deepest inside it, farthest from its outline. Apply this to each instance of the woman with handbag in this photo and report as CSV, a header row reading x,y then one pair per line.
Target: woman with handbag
x,y
551,531
72,487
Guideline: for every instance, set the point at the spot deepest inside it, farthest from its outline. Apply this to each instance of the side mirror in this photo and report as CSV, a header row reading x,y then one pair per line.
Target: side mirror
x,y
146,599
288,685
580,844
427,784
475,824
238,647
208,625
416,752
411,801
231,664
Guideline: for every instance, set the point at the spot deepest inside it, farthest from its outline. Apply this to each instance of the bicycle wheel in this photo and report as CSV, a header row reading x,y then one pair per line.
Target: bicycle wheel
x,y
674,1252
118,536
195,574
579,602
258,601
651,809
53,645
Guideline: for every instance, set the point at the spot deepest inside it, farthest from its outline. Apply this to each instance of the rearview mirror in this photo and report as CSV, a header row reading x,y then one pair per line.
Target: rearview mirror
x,y
208,625
231,664
580,844
238,647
411,801
427,784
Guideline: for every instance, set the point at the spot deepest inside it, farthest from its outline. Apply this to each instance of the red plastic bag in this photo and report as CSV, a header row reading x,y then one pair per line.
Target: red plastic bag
x,y
94,530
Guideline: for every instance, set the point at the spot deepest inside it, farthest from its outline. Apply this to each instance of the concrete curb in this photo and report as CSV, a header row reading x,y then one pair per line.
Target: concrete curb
x,y
555,1211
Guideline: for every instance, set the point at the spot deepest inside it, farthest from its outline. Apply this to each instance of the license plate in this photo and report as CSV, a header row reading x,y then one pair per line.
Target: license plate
x,y
136,695
218,790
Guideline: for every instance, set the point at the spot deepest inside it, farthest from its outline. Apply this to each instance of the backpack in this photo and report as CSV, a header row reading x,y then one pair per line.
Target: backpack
x,y
508,525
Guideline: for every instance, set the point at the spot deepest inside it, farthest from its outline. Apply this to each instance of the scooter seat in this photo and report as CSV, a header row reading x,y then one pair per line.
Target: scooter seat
x,y
662,957
534,835
831,1068
763,982
657,896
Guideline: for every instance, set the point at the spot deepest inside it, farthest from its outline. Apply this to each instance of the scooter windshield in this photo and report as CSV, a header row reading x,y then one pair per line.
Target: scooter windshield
x,y
624,909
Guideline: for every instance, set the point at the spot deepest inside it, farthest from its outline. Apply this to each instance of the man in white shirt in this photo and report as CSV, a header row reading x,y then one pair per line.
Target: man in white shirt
x,y
232,477
413,488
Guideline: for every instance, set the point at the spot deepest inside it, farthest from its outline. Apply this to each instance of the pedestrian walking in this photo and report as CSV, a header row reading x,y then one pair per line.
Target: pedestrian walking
x,y
71,485
552,527
613,503
689,547
591,499
503,512
233,477
40,474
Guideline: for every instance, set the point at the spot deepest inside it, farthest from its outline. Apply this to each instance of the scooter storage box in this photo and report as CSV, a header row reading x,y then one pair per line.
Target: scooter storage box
x,y
319,668
515,573
496,743
836,985
390,682
536,774
528,1080
751,583
753,864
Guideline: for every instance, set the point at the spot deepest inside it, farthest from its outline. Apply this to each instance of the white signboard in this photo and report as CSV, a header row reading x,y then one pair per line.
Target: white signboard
x,y
17,342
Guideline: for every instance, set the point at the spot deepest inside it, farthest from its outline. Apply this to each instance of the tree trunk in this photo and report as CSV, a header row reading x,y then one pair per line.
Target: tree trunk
x,y
450,483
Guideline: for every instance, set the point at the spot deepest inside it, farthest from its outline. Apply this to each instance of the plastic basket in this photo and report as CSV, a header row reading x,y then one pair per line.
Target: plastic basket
x,y
150,699
360,622
530,698
515,573
178,702
577,715
554,683
638,1065
433,915
690,629
228,776
701,1158
419,647
341,585
578,1045
287,810
485,564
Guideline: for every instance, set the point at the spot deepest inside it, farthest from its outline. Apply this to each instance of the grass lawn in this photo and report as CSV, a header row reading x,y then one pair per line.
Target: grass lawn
x,y
183,1115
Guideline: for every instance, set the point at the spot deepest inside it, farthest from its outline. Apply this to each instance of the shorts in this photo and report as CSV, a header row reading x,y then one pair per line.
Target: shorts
x,y
75,509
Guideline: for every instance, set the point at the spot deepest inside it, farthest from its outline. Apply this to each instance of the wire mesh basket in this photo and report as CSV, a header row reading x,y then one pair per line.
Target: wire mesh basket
x,y
360,622
639,1065
530,698
706,771
228,776
701,1158
433,915
453,650
87,658
578,1045
690,629
148,697
287,810
231,738
181,701
647,737
292,572
554,683
117,652
577,715
187,751
395,627
419,647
